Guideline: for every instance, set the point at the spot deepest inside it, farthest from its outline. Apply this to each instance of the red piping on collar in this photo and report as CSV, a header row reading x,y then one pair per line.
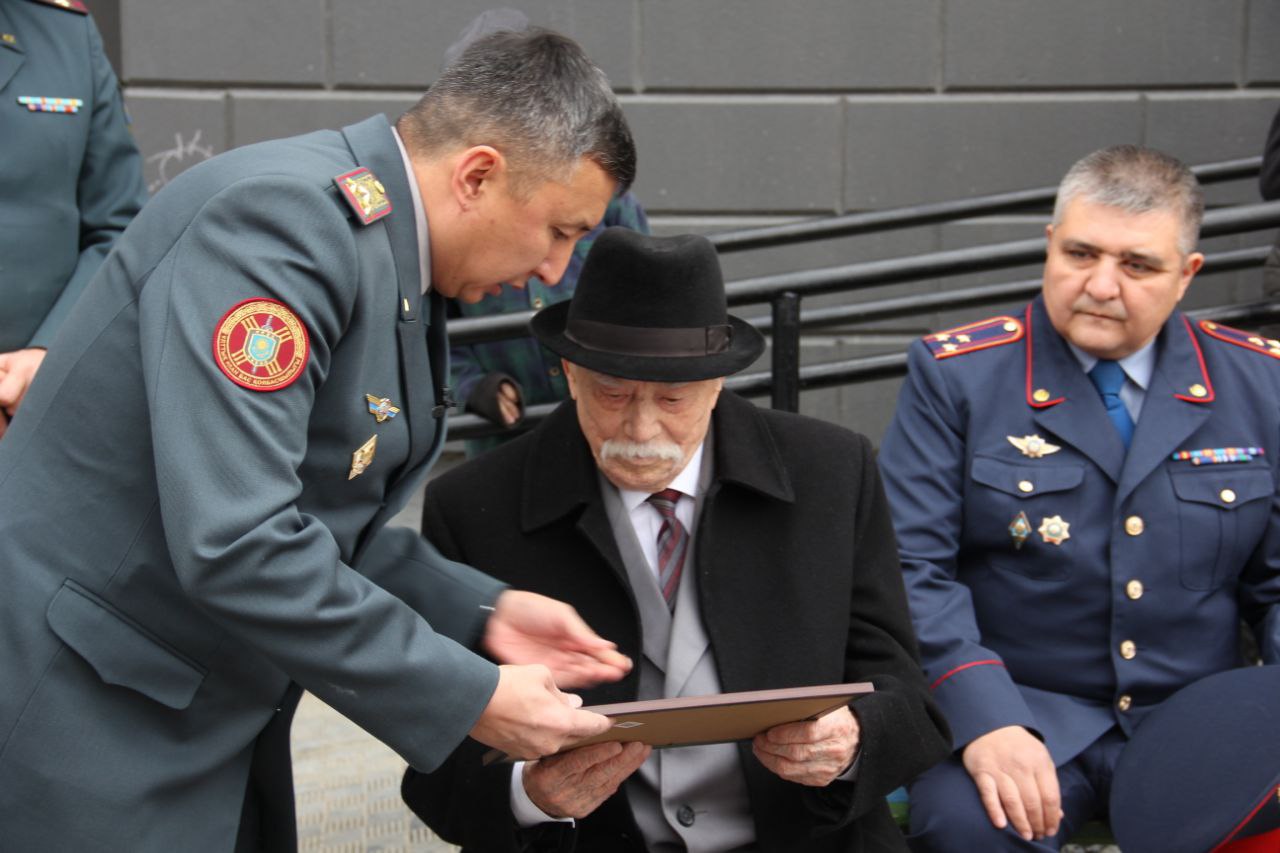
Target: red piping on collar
x,y
1204,371
1030,402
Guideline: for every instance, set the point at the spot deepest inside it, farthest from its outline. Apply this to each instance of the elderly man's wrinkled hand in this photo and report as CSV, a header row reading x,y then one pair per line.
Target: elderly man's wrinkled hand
x,y
576,783
813,752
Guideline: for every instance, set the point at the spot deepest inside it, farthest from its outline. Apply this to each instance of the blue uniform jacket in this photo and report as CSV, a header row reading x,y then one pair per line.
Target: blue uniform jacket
x,y
69,181
176,548
1161,558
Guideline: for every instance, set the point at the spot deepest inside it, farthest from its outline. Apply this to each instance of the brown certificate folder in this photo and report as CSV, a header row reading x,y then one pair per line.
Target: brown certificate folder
x,y
691,720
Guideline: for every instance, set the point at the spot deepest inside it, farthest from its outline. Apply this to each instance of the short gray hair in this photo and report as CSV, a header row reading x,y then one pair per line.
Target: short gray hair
x,y
533,95
1136,180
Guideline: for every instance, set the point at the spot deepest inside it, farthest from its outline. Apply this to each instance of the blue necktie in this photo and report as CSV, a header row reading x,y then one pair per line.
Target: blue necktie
x,y
1108,378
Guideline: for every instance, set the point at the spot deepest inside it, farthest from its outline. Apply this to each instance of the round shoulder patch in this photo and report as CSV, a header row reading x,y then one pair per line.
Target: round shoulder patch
x,y
261,345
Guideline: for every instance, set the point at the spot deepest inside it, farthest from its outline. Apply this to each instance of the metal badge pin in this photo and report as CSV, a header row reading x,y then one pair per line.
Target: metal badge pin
x,y
1054,530
362,458
1033,445
381,407
1019,529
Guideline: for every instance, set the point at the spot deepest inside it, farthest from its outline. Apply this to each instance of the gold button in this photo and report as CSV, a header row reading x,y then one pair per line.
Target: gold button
x,y
1125,702
1128,650
555,371
1210,325
537,302
1228,496
1133,589
1197,390
1257,342
1040,395
1133,525
1011,326
1026,486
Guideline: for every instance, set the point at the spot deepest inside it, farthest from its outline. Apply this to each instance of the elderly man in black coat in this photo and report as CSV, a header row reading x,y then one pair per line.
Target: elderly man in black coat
x,y
724,548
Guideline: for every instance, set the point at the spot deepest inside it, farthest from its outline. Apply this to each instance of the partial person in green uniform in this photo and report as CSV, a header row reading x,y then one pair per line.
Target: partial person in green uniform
x,y
70,177
194,497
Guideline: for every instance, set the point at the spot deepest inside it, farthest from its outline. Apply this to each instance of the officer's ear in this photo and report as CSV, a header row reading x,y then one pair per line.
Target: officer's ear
x,y
475,173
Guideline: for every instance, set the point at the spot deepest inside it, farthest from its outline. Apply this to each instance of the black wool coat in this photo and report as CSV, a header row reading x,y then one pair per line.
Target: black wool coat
x,y
799,584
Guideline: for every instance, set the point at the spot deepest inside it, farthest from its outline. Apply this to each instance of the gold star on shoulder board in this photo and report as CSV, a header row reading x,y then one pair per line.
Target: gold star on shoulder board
x,y
362,458
1033,445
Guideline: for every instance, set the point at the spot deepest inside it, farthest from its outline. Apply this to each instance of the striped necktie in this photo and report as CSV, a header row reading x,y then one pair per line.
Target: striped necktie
x,y
673,542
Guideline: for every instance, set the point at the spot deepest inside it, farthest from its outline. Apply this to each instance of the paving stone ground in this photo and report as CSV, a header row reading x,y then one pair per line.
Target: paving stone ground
x,y
348,789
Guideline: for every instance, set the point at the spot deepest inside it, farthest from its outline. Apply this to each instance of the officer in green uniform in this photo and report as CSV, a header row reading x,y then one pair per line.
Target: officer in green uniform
x,y
70,180
193,497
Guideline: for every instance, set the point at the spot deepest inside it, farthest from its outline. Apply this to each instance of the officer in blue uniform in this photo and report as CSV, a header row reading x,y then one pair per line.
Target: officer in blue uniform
x,y
1084,495
70,180
193,497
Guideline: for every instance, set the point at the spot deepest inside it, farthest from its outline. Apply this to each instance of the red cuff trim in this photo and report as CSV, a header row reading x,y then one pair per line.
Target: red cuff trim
x,y
964,666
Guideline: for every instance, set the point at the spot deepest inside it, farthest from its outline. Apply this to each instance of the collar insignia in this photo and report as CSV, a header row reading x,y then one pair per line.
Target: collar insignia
x,y
365,194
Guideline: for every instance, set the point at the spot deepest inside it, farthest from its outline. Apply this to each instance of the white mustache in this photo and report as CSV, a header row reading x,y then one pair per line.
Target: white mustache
x,y
640,450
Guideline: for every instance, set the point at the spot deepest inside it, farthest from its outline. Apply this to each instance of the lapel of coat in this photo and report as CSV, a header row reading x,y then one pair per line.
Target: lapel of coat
x,y
560,479
1063,400
748,469
12,55
422,372
1171,411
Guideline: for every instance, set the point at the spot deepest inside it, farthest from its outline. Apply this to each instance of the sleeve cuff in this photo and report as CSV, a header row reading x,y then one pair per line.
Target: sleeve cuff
x,y
483,399
527,814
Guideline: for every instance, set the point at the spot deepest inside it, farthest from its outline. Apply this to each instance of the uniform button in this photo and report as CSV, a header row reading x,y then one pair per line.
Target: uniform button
x,y
1134,525
538,302
686,816
1133,589
1040,395
1128,650
1228,496
555,371
1026,486
1124,703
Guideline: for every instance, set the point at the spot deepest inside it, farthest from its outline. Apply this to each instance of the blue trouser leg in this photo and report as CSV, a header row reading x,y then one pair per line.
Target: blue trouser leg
x,y
947,814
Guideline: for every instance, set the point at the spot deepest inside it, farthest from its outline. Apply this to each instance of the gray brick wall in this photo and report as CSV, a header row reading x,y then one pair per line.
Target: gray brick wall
x,y
750,112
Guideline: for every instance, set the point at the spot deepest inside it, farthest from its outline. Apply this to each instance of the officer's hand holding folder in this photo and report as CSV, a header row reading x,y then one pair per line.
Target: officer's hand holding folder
x,y
725,717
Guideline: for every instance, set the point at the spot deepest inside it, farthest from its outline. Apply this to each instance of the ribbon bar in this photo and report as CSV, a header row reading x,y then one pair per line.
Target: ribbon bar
x,y
657,342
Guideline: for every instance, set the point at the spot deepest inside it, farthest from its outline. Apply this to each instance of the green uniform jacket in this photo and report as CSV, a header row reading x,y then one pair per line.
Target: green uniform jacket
x,y
69,181
175,548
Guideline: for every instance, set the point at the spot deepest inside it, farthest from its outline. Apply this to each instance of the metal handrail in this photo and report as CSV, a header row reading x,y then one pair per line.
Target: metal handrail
x,y
926,214
1231,220
887,365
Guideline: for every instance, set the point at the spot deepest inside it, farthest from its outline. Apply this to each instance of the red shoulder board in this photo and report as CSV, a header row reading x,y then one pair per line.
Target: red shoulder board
x,y
365,194
68,5
261,345
1241,338
975,336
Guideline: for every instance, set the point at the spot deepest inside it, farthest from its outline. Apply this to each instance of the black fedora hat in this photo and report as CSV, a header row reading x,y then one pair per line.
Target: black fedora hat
x,y
652,309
